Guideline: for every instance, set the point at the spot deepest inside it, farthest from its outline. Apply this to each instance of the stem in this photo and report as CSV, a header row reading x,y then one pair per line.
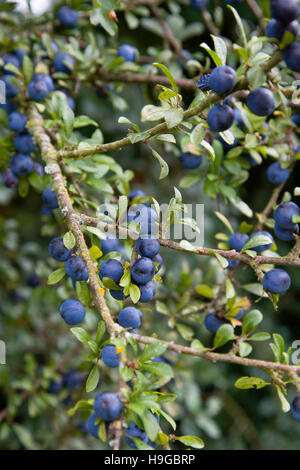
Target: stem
x,y
48,151
258,13
217,357
232,254
271,203
204,251
129,77
163,128
167,31
209,22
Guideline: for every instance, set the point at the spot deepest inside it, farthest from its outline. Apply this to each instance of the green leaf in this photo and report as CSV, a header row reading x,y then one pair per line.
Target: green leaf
x,y
100,331
220,48
297,191
227,136
279,342
81,334
69,240
223,335
94,347
139,137
67,117
196,344
167,418
209,148
81,404
285,406
141,445
223,262
100,16
230,291
286,39
187,246
162,439
153,350
260,336
191,441
56,276
173,117
23,187
126,374
131,20
197,134
126,278
93,379
250,382
257,240
24,436
164,169
152,113
217,60
251,321
83,293
205,291
225,221
240,26
244,349
167,93
83,121
162,308
242,206
134,293
166,71
110,284
165,138
36,181
14,69
27,67
158,368
124,120
296,219
102,431
186,331
189,180
254,288
244,227
150,424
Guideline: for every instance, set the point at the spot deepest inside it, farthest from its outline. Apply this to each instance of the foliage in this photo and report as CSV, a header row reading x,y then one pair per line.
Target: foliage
x,y
112,125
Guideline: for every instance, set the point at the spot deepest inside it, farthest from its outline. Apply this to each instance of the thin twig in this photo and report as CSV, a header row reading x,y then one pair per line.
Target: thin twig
x,y
129,77
217,357
163,128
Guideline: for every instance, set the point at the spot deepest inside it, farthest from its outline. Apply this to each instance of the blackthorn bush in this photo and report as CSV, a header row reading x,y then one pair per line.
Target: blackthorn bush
x,y
159,274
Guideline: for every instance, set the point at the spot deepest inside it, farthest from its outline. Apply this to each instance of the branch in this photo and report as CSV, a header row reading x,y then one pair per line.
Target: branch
x,y
217,357
209,22
48,152
74,221
163,128
232,254
166,29
129,77
271,203
204,251
258,13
